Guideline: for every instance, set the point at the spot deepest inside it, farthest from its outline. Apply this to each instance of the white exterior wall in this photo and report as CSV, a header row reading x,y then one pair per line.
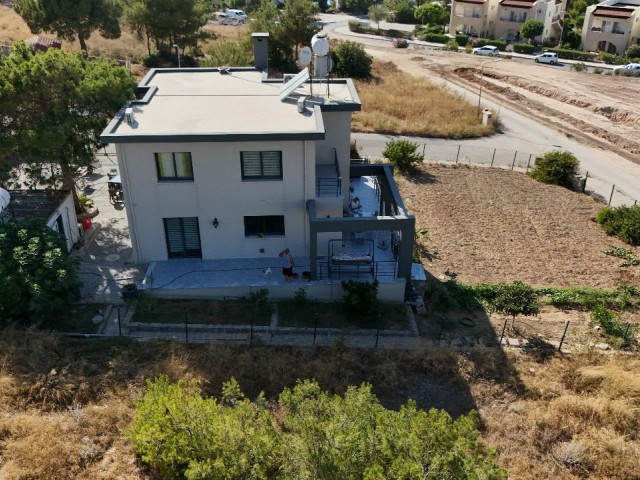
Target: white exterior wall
x,y
338,135
593,33
217,191
67,212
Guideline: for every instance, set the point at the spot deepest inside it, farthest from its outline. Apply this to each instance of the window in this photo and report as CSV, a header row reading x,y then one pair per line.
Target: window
x,y
261,165
183,237
174,166
267,226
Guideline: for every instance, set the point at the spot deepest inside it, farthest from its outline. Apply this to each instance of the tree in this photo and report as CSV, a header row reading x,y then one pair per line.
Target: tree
x,y
403,154
531,29
357,6
37,276
298,23
432,14
54,106
555,168
231,54
307,433
378,13
516,299
72,18
267,18
169,22
350,60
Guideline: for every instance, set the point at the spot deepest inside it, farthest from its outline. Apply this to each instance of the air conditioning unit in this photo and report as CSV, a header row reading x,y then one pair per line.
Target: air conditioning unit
x,y
128,116
286,78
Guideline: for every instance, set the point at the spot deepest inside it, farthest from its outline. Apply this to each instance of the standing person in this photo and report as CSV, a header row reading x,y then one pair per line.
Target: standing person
x,y
287,264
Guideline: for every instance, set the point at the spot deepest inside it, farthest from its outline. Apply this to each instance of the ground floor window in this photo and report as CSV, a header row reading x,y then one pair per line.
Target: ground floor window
x,y
183,237
264,226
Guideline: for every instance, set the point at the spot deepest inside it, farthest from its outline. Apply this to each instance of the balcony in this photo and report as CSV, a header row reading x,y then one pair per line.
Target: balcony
x,y
513,19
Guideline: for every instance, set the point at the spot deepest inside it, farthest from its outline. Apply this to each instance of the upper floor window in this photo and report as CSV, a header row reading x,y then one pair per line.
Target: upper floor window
x,y
264,226
174,166
261,165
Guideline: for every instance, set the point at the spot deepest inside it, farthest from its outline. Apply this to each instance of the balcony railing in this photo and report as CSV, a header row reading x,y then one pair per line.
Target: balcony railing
x,y
328,179
513,19
617,31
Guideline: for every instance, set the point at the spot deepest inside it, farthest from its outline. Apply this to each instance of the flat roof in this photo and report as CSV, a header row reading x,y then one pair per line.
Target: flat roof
x,y
222,105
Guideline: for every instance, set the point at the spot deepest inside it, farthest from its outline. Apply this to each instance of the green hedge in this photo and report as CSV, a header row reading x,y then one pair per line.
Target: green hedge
x,y
434,37
523,48
481,42
573,54
462,40
610,59
358,27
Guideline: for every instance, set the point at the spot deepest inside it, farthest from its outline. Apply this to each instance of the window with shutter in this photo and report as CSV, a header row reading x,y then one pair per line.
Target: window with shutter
x,y
183,237
261,165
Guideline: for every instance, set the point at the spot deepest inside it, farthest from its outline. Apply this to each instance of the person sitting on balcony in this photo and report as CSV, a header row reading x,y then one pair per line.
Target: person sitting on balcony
x,y
355,208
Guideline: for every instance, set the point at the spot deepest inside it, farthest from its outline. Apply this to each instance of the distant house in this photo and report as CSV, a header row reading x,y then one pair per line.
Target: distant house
x,y
42,44
55,207
611,26
502,19
227,165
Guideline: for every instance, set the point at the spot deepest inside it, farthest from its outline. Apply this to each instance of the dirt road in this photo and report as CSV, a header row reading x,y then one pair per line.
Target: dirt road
x,y
600,110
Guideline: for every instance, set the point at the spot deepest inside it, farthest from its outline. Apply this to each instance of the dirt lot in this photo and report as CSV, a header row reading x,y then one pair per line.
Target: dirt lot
x,y
596,108
496,226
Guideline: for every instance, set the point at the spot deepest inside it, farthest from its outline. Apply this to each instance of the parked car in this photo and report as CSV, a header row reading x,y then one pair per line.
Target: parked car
x,y
628,69
547,57
236,14
486,50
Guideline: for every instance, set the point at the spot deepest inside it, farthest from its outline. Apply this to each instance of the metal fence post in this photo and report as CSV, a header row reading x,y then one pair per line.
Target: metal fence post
x,y
377,337
528,162
626,332
515,155
586,177
611,196
493,157
504,327
119,324
186,327
566,327
424,146
458,154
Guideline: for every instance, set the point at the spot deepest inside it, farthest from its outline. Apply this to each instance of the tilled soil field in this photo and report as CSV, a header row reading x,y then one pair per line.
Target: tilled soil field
x,y
492,225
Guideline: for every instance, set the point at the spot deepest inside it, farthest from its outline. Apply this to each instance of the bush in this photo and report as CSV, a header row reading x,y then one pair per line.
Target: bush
x,y
598,70
400,43
468,48
481,42
579,67
555,168
361,298
451,45
515,299
403,154
610,59
633,52
350,60
404,13
523,48
462,40
434,38
573,54
608,319
622,222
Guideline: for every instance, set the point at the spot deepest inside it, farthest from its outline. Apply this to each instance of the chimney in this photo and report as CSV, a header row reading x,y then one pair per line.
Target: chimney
x,y
128,115
261,51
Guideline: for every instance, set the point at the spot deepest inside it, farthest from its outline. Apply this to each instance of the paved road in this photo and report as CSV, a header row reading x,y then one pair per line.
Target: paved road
x,y
519,133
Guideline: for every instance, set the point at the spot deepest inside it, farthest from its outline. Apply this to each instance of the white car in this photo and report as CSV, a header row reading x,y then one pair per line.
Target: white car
x,y
629,69
236,14
486,50
547,57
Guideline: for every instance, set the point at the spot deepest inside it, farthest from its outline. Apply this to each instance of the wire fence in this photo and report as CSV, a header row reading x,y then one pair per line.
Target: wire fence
x,y
522,162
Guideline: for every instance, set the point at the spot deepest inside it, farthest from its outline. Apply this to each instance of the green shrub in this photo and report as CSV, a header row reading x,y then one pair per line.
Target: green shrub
x,y
515,299
468,48
628,258
610,59
523,48
404,13
579,67
451,45
434,37
260,301
555,168
608,319
481,42
623,222
350,60
400,43
361,298
574,54
462,40
403,154
598,70
633,52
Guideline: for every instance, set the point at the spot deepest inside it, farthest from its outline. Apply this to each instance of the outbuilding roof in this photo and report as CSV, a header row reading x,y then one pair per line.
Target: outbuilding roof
x,y
614,12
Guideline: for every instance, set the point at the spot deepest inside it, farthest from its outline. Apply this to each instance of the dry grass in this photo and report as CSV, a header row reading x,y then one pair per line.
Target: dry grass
x,y
400,103
566,417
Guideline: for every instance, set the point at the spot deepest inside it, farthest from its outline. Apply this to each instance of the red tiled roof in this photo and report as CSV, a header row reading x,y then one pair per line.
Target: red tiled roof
x,y
470,1
518,3
613,12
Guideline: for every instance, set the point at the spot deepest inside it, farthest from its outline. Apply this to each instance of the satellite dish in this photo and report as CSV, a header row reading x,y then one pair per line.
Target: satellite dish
x,y
320,44
304,58
5,198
